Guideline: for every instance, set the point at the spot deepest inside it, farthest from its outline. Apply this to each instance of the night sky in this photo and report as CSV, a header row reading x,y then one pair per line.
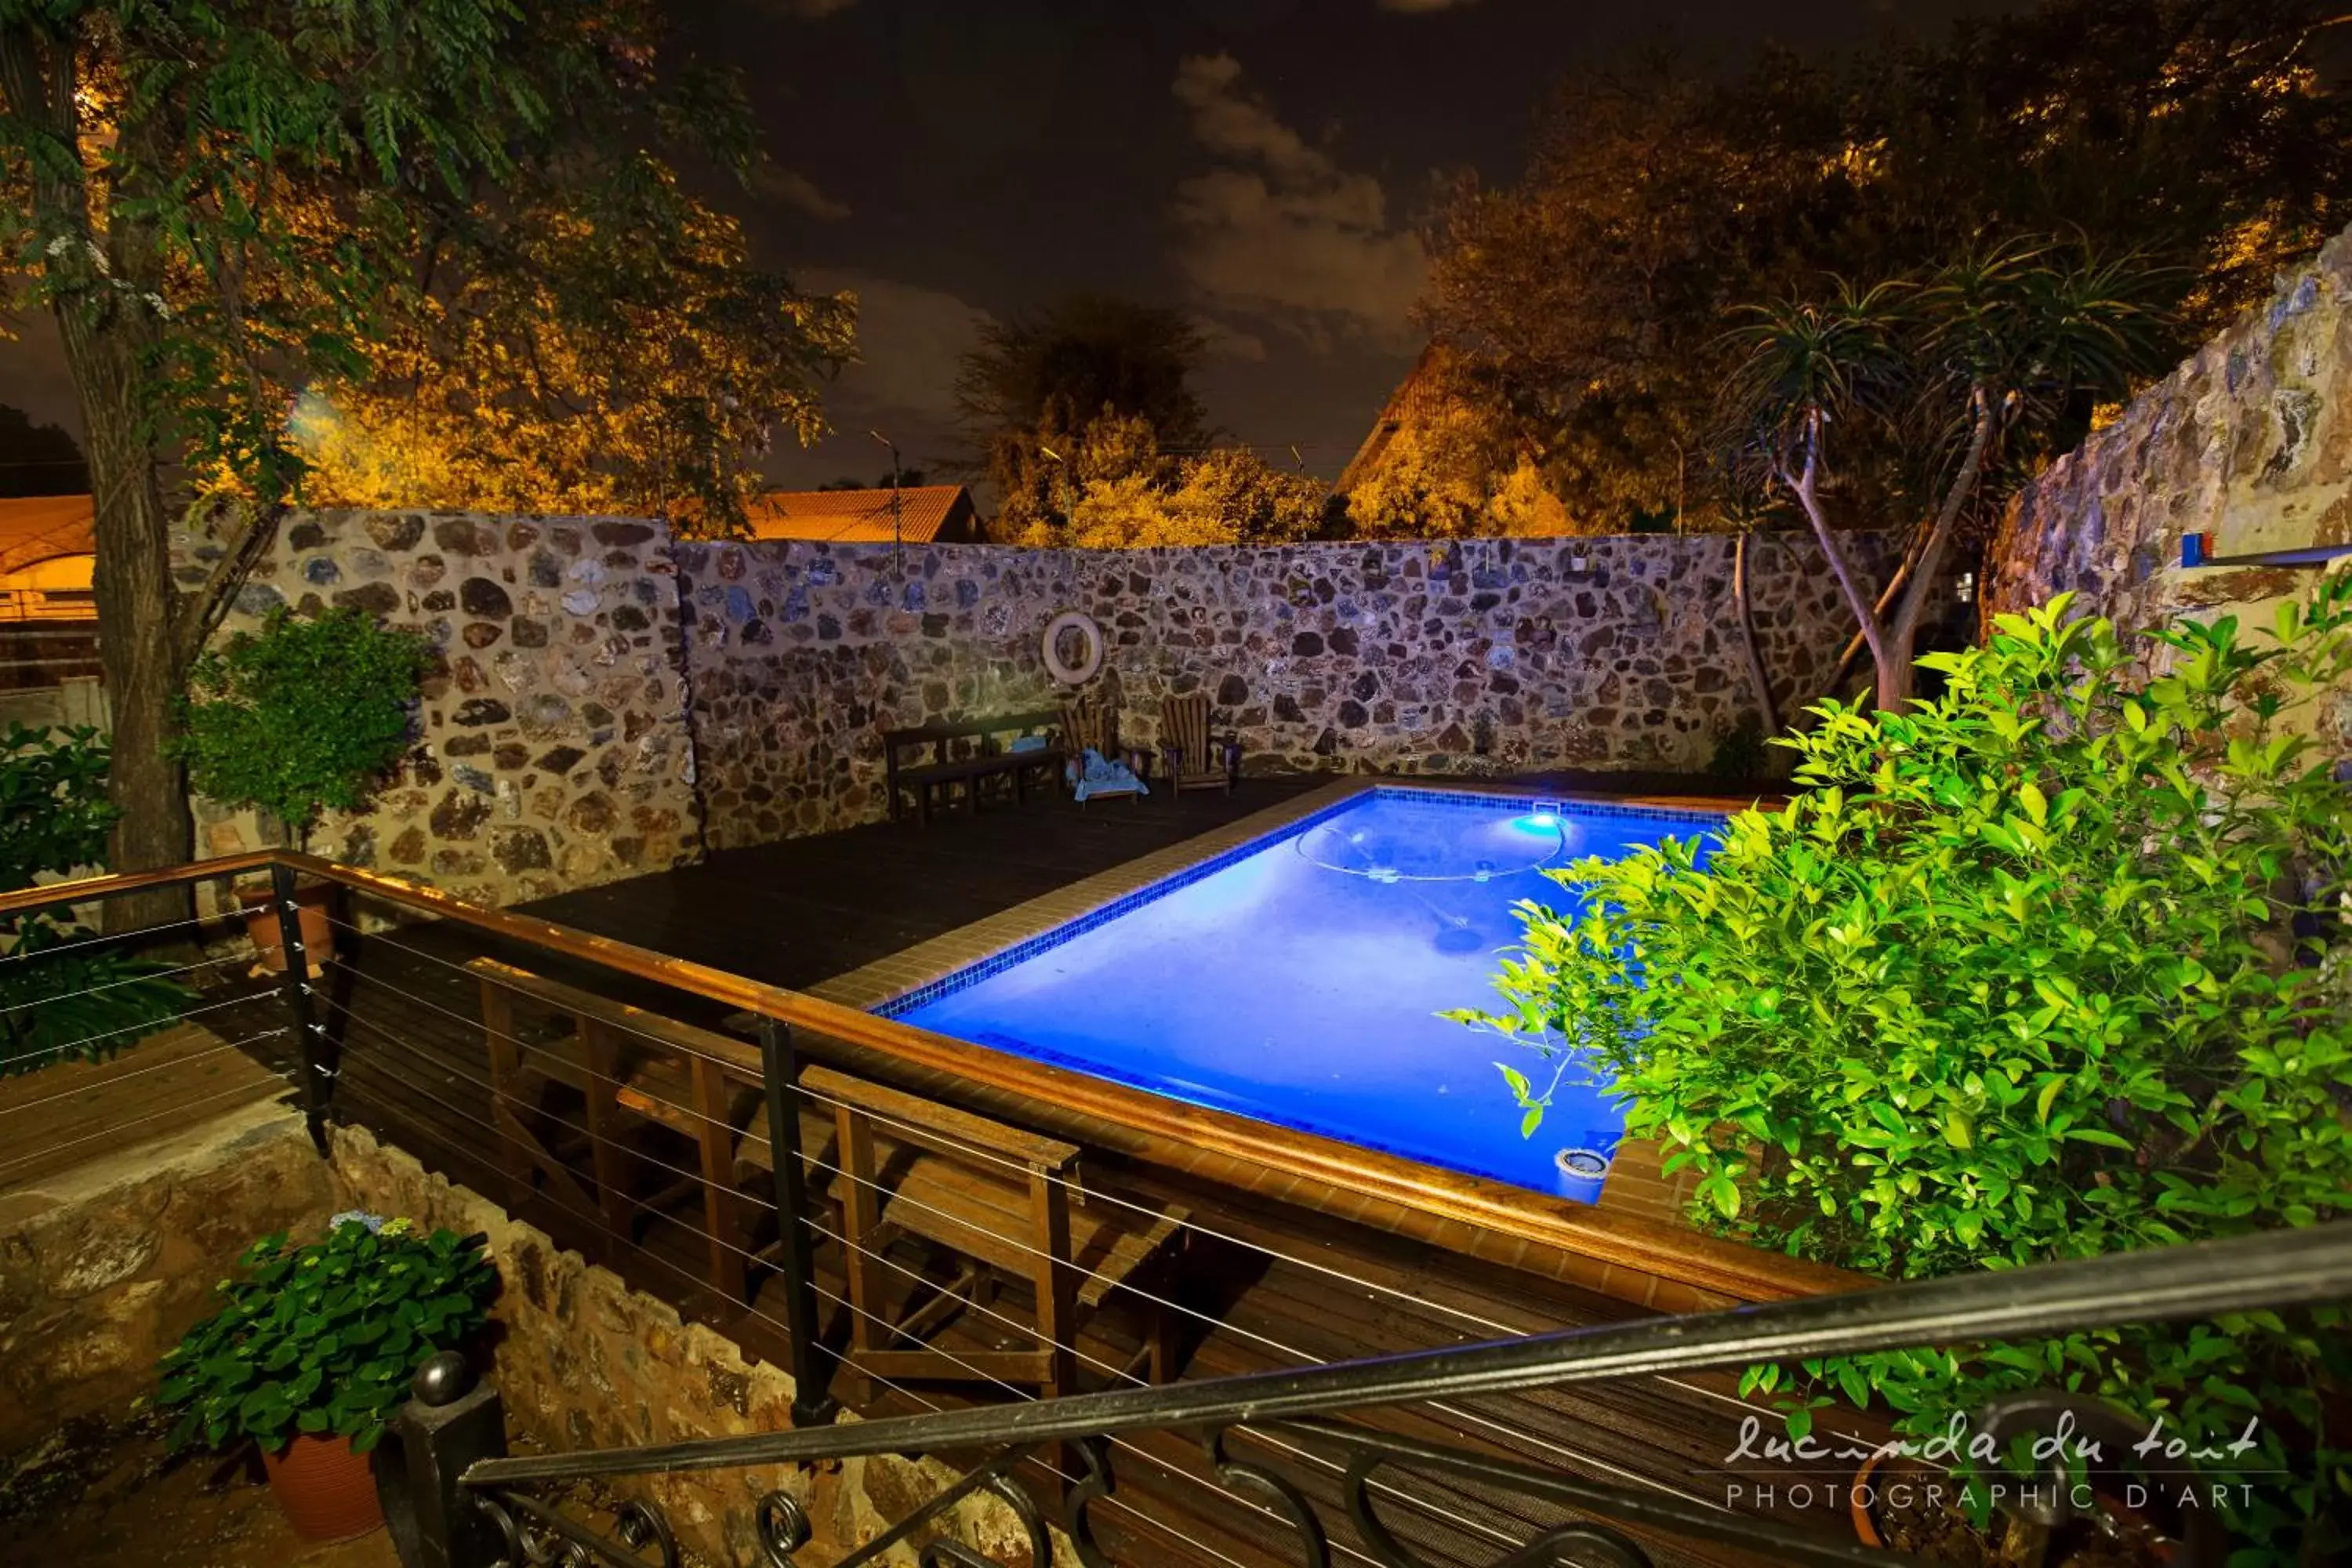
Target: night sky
x,y
1264,164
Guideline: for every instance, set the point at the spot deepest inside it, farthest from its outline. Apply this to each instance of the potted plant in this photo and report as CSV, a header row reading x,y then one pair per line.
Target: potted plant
x,y
298,716
313,1350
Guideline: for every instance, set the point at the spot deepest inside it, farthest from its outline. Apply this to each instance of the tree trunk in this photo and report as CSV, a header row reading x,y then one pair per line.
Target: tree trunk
x,y
97,300
1767,708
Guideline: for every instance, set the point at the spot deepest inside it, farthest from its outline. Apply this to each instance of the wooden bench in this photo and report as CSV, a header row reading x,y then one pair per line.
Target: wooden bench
x,y
1000,1199
627,1065
881,1163
968,753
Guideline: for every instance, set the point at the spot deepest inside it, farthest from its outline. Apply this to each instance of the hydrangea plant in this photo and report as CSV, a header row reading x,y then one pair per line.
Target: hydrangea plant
x,y
2054,965
323,1337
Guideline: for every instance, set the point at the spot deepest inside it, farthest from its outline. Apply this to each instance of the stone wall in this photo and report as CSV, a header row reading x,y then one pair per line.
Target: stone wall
x,y
2251,441
103,1268
553,751
583,1361
1485,656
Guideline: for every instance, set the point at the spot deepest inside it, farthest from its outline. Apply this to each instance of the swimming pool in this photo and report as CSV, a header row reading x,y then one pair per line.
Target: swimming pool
x,y
1297,979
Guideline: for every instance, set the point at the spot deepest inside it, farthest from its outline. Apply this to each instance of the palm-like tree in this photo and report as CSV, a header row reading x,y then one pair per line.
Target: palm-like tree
x,y
1988,355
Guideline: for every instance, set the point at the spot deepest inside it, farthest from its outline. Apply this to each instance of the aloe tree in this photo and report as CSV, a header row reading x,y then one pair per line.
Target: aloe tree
x,y
1967,374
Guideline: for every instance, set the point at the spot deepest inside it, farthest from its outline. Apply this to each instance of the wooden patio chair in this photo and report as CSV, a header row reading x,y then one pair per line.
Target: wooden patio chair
x,y
1190,754
1000,1201
1091,724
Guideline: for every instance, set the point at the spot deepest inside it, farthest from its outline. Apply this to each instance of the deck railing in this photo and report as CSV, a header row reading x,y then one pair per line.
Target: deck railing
x,y
406,966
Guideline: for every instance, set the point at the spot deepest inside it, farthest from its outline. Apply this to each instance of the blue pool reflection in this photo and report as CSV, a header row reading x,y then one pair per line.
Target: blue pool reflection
x,y
1299,984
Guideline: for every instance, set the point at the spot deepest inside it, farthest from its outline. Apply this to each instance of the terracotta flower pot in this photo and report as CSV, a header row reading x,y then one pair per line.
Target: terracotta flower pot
x,y
327,1491
310,913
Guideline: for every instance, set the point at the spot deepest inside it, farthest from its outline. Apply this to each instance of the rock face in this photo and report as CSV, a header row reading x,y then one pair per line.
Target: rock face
x,y
104,1268
585,1361
2250,441
558,685
1482,656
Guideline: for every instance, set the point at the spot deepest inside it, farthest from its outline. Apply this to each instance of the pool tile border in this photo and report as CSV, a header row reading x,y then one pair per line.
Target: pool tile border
x,y
929,970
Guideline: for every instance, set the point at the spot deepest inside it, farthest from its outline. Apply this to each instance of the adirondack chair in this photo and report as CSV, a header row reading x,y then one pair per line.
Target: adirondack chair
x,y
1091,724
1192,759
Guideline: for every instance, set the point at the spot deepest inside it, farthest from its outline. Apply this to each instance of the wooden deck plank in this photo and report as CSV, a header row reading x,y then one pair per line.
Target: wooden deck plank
x,y
71,1114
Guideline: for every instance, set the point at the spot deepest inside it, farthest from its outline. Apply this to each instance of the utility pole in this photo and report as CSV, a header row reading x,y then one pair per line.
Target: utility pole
x,y
897,532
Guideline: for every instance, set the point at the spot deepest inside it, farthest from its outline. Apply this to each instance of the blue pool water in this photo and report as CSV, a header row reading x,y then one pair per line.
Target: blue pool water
x,y
1299,982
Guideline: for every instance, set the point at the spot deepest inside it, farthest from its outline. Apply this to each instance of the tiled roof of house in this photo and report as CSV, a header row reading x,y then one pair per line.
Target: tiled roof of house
x,y
34,529
863,516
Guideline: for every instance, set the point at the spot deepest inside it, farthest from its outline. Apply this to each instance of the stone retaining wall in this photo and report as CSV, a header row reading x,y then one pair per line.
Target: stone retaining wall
x,y
103,1268
585,1361
553,751
1477,657
2251,441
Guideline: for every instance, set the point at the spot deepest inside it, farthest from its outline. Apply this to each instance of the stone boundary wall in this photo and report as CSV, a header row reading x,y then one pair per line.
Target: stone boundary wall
x,y
104,1266
608,703
553,751
2250,440
1470,657
585,1361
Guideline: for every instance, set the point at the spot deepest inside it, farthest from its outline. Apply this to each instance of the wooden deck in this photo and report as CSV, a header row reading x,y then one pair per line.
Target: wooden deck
x,y
75,1113
1274,1285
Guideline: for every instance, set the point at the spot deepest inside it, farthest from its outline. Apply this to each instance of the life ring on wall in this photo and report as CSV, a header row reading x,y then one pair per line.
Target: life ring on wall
x,y
1090,661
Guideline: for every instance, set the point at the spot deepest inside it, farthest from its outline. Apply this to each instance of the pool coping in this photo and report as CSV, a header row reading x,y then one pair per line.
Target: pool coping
x,y
890,985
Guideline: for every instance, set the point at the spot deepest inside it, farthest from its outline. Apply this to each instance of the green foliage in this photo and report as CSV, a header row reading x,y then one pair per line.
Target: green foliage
x,y
303,715
1588,296
324,1338
1740,756
54,816
62,999
2054,966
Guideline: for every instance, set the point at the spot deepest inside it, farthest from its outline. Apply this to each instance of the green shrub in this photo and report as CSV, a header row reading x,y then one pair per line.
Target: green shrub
x,y
2054,966
324,1338
1740,755
61,998
301,715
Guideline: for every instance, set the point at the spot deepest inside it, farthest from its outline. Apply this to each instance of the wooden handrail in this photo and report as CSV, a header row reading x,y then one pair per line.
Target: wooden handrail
x,y
113,883
1705,1263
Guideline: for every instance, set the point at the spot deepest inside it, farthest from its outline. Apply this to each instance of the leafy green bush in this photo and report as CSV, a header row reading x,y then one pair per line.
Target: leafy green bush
x,y
62,999
1739,755
2054,966
54,815
324,1338
301,715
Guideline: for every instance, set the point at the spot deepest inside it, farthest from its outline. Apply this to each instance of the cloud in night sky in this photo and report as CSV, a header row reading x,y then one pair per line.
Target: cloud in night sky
x,y
1279,232
910,341
797,191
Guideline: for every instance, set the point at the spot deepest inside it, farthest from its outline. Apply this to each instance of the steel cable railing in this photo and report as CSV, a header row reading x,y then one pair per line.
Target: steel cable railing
x,y
820,1166
752,1312
1515,1435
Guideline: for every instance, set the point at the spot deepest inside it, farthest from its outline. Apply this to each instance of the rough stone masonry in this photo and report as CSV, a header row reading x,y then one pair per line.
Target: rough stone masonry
x,y
607,702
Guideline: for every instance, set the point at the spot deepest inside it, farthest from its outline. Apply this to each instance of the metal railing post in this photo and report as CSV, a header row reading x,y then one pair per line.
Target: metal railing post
x,y
320,1063
812,1368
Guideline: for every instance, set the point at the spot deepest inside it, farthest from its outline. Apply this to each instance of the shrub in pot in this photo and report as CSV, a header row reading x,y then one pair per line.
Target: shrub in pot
x,y
298,717
2053,966
312,1351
